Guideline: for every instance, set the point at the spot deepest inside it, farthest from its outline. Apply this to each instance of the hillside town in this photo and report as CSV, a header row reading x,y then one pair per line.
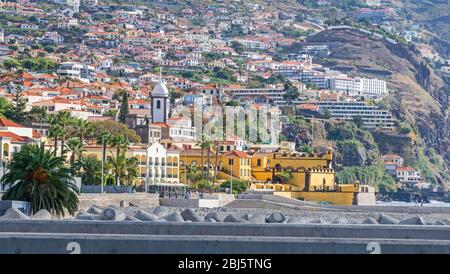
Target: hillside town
x,y
74,68
224,126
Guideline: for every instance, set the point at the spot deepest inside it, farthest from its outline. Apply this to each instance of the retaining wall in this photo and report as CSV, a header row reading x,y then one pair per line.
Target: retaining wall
x,y
13,243
139,199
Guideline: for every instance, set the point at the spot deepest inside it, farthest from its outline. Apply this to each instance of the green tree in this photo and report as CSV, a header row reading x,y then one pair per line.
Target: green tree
x,y
17,110
120,142
358,121
37,115
11,64
76,148
37,176
83,128
238,47
90,169
122,96
239,185
56,132
306,148
193,174
292,92
64,120
5,106
284,176
125,170
232,103
114,128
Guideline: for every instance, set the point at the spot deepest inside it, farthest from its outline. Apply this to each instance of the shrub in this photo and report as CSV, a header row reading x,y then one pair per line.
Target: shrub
x,y
239,185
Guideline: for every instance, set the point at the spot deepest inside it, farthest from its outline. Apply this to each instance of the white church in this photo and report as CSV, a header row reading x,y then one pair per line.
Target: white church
x,y
163,127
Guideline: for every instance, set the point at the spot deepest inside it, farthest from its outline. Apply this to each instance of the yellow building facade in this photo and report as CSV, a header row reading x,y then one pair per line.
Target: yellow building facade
x,y
310,177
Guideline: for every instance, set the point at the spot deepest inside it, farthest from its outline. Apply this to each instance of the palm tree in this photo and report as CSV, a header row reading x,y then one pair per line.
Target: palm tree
x,y
208,145
76,147
56,131
41,178
218,133
63,119
119,141
124,169
203,144
83,128
90,169
193,174
117,165
216,160
132,170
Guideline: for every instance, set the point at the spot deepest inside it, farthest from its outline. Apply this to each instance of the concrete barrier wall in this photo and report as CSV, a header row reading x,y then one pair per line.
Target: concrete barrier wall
x,y
13,243
139,199
190,203
229,229
279,202
368,199
223,198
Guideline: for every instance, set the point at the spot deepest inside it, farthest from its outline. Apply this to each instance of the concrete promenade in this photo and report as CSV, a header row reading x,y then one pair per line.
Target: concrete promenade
x,y
198,238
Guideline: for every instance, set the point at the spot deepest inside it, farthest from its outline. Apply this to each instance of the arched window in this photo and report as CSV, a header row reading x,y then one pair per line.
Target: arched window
x,y
158,104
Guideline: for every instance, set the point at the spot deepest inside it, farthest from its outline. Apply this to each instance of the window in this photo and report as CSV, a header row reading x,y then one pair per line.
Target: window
x,y
230,162
258,162
158,104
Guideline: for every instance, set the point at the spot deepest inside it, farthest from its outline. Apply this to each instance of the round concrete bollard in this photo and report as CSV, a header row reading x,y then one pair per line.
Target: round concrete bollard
x,y
190,215
297,221
340,220
94,210
317,221
214,216
247,216
386,220
173,217
132,219
276,217
370,221
146,216
439,222
88,216
14,214
257,218
161,211
42,214
412,221
233,219
113,214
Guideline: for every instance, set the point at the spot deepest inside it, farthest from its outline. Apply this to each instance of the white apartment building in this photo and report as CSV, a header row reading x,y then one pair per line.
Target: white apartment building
x,y
369,88
271,92
162,165
252,44
372,116
53,36
76,70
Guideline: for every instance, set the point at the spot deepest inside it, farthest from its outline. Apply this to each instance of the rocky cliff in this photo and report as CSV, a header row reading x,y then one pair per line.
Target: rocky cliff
x,y
418,95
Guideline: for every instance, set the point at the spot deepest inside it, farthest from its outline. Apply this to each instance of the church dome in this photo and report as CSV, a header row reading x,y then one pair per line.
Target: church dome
x,y
160,89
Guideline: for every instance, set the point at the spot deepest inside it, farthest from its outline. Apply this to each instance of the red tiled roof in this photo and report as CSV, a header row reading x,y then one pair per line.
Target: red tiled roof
x,y
14,137
36,134
8,123
237,153
406,168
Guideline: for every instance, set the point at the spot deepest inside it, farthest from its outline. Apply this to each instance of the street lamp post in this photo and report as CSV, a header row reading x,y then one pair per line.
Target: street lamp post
x,y
185,174
147,170
231,178
103,163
